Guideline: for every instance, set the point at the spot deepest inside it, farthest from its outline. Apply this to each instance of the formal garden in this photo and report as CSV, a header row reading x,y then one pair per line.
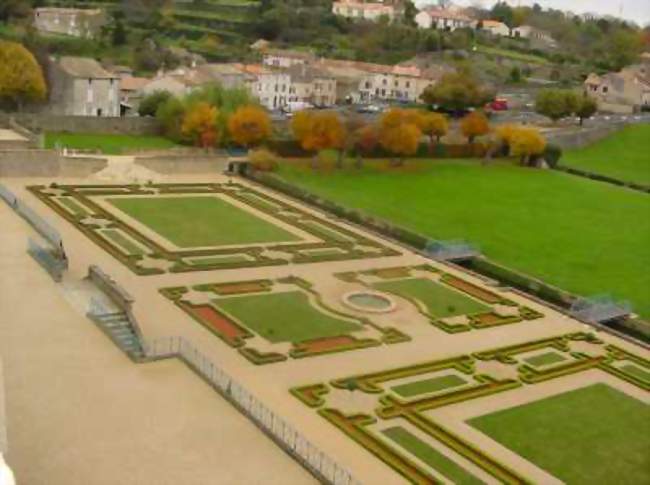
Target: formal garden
x,y
589,433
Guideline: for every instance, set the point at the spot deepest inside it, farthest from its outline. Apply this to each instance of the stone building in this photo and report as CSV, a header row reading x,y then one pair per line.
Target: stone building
x,y
80,86
76,22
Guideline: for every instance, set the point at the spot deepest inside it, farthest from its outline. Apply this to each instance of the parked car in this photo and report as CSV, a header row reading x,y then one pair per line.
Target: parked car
x,y
498,104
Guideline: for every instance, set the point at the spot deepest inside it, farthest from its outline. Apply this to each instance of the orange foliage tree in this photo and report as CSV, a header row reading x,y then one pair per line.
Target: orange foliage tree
x,y
526,143
366,140
473,125
200,125
318,131
434,125
399,133
249,125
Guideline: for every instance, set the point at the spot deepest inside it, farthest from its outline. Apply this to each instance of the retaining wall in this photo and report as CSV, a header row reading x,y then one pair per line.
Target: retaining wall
x,y
175,164
38,122
46,163
582,136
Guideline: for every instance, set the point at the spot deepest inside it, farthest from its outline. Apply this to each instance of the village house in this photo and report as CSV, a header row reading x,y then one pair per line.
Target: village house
x,y
286,58
372,11
131,92
539,39
494,27
76,22
229,75
311,85
397,83
626,91
80,86
443,19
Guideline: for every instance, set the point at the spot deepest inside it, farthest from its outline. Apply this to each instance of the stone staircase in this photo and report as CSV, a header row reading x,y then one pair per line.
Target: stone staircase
x,y
119,329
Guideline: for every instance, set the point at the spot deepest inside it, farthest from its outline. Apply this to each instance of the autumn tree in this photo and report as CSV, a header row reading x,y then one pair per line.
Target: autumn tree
x,y
473,125
434,125
249,125
318,131
352,125
399,133
526,143
587,107
200,125
556,103
21,77
366,141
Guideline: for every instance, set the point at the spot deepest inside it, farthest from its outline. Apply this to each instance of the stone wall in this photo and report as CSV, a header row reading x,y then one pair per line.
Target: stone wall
x,y
46,163
183,164
40,122
581,137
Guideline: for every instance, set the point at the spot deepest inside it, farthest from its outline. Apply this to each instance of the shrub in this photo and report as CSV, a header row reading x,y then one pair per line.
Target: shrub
x,y
263,160
552,154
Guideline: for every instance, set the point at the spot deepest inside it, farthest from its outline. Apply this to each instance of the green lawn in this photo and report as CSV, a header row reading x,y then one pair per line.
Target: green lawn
x,y
438,301
624,155
593,435
108,144
637,371
284,317
516,55
432,457
200,221
547,358
424,386
584,236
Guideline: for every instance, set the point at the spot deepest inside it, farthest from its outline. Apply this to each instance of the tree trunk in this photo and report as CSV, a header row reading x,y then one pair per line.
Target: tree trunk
x,y
339,160
359,163
314,161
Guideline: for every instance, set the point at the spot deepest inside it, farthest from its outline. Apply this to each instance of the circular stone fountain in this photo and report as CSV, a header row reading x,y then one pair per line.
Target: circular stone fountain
x,y
369,301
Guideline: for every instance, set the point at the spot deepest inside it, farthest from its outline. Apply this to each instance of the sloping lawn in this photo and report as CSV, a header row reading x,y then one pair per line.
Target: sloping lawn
x,y
108,144
285,317
591,435
624,155
584,236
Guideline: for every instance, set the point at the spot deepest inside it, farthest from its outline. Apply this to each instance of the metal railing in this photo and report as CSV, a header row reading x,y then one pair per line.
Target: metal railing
x,y
310,456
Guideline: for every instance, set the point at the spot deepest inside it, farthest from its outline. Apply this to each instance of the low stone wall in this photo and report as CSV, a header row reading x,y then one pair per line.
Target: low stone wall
x,y
39,122
581,137
46,163
174,164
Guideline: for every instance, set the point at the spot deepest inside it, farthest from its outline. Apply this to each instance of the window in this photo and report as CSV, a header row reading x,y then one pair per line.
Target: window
x,y
384,81
408,84
367,84
605,89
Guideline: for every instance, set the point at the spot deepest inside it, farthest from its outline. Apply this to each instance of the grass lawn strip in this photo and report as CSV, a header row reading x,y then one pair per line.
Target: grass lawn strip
x,y
595,434
603,230
430,456
225,258
122,241
73,205
425,386
622,155
200,221
323,252
108,144
284,317
256,200
636,371
439,301
321,230
546,358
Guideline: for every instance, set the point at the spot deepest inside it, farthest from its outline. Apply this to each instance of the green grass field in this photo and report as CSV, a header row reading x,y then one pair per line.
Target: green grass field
x,y
108,144
591,435
515,55
200,221
285,317
547,358
624,155
584,236
424,386
439,301
432,457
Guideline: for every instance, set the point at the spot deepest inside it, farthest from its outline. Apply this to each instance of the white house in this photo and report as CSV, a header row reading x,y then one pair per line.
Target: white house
x,y
495,27
367,11
286,58
537,37
443,19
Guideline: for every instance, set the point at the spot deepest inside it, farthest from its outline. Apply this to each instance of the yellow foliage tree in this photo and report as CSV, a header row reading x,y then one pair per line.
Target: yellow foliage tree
x,y
200,125
21,77
399,133
249,125
473,125
526,143
434,125
318,131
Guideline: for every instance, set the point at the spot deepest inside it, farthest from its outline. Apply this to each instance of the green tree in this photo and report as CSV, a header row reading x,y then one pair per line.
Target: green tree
x,y
150,103
457,91
21,77
118,36
556,103
587,107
